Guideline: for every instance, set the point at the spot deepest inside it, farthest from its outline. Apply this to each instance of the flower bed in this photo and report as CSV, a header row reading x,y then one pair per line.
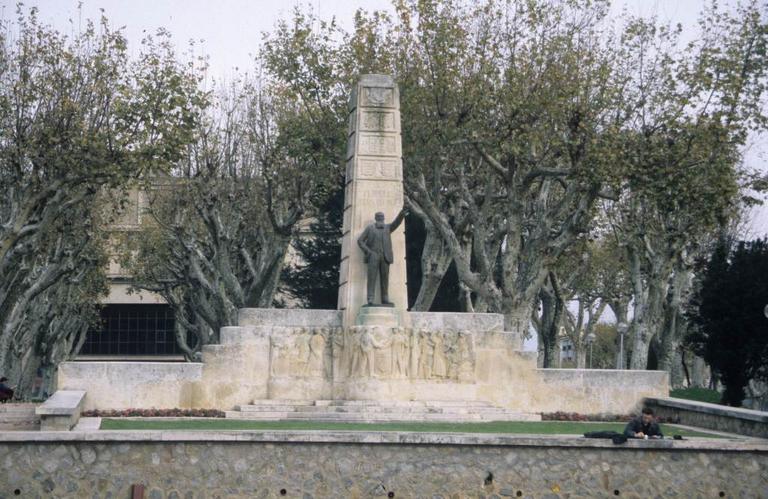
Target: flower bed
x,y
155,413
575,416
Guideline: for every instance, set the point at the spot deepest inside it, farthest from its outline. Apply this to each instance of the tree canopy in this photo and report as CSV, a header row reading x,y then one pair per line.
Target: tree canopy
x,y
732,329
78,116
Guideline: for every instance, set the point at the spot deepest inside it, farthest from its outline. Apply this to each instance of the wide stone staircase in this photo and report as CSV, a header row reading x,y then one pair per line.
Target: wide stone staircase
x,y
370,411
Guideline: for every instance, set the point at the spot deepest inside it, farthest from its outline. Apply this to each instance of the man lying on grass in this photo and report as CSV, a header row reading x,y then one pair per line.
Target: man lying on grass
x,y
643,427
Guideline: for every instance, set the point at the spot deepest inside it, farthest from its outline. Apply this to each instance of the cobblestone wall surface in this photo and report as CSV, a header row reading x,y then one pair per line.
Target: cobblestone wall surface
x,y
200,469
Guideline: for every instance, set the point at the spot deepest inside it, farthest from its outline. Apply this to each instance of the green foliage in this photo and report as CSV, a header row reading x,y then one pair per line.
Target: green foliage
x,y
605,347
446,298
314,280
679,179
732,332
698,394
78,118
221,224
509,81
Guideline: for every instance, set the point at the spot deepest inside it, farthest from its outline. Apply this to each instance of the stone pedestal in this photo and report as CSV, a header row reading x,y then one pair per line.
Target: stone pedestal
x,y
378,316
272,354
374,182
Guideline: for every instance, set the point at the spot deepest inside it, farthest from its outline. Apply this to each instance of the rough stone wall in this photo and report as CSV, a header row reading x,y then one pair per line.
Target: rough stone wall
x,y
320,470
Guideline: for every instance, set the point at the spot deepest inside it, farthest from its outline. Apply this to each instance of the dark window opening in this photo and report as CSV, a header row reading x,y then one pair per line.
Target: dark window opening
x,y
133,330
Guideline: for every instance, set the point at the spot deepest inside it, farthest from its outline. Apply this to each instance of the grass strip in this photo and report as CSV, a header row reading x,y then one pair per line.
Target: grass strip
x,y
517,427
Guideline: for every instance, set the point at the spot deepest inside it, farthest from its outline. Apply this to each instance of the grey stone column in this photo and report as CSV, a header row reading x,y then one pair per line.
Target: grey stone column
x,y
374,182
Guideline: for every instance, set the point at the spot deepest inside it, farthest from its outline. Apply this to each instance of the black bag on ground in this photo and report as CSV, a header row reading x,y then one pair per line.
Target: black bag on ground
x,y
616,437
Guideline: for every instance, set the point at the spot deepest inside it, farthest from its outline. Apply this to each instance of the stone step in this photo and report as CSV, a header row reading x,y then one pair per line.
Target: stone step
x,y
267,408
406,403
371,408
364,418
376,411
383,417
8,408
18,417
399,410
336,416
15,412
20,426
283,402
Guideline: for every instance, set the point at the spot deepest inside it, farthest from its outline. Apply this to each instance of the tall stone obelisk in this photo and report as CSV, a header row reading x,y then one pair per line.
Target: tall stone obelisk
x,y
374,182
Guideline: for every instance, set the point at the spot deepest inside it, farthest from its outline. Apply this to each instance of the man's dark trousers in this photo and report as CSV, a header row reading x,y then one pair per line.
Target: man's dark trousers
x,y
378,267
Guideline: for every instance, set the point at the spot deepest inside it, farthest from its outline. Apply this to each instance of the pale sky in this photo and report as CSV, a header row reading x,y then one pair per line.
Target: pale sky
x,y
230,33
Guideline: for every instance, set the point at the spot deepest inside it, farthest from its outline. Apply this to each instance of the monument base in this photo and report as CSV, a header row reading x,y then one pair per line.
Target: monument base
x,y
372,315
276,354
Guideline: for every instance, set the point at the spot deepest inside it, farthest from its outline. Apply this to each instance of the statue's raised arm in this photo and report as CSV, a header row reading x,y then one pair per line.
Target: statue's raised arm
x,y
398,219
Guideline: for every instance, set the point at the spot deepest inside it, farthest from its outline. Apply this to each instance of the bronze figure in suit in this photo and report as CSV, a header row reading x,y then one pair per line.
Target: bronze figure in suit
x,y
376,243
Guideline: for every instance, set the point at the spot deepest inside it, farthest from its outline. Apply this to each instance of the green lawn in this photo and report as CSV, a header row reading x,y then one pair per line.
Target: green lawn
x,y
697,394
535,427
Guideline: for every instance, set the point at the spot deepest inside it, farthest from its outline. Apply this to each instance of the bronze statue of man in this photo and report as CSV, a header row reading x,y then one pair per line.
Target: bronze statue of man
x,y
376,243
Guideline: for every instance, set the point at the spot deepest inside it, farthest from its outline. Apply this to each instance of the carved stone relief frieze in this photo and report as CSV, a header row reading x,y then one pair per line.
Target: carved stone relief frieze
x,y
364,352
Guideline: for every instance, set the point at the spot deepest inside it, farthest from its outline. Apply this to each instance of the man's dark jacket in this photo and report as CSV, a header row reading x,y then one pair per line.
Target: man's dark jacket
x,y
636,425
372,234
6,393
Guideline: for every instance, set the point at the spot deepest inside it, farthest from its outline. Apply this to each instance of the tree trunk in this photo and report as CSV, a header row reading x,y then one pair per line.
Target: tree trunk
x,y
699,373
518,319
279,249
649,294
547,332
640,345
676,372
435,260
465,298
580,352
619,308
674,325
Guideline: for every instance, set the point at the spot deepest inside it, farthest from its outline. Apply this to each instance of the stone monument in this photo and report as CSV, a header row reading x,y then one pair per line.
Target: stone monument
x,y
374,183
365,356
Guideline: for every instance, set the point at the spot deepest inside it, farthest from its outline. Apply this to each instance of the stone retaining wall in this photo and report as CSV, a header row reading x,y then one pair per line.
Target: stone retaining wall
x,y
388,464
715,417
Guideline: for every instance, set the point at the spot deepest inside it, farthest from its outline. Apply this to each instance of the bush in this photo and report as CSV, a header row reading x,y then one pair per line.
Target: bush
x,y
697,394
603,418
155,413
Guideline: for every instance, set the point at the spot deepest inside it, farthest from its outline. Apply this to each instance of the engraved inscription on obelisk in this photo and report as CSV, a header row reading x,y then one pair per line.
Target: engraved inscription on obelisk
x,y
374,182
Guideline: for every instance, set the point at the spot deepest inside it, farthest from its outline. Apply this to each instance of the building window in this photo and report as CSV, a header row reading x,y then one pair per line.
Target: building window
x,y
133,330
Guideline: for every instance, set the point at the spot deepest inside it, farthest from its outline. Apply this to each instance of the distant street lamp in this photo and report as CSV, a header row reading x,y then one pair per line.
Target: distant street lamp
x,y
590,341
622,328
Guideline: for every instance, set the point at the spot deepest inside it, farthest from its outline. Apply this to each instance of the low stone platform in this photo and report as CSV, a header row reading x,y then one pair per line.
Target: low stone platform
x,y
371,411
